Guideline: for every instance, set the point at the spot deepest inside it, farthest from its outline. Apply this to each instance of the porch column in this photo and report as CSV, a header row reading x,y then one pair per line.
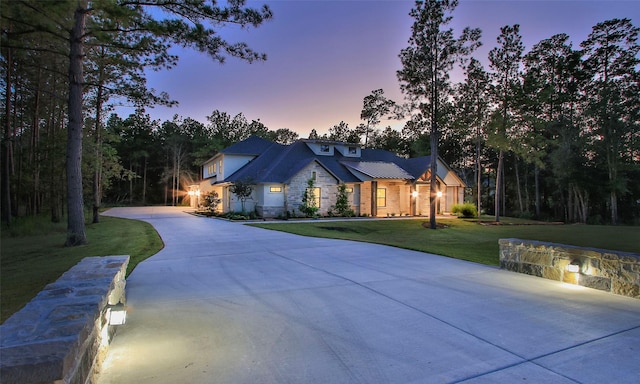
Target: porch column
x,y
414,199
374,198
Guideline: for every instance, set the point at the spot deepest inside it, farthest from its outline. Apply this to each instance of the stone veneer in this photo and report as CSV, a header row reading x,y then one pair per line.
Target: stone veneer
x,y
324,180
610,271
61,336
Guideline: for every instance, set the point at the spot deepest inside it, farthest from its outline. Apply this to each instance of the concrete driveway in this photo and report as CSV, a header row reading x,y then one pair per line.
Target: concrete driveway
x,y
228,303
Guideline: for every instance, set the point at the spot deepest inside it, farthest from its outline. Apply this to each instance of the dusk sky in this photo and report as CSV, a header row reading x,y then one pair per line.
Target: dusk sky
x,y
324,57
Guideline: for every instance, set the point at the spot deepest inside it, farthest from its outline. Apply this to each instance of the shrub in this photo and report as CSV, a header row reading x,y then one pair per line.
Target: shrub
x,y
211,201
243,189
309,207
342,203
466,210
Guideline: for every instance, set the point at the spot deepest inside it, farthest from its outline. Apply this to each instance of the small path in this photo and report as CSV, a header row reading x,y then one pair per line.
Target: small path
x,y
228,303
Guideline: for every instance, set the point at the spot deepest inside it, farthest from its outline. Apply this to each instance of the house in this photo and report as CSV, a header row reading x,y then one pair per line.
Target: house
x,y
378,182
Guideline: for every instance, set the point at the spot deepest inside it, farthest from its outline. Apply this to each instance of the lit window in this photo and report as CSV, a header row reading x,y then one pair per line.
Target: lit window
x,y
382,197
275,189
348,190
316,194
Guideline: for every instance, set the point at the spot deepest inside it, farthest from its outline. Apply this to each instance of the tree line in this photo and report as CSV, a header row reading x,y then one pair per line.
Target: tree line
x,y
63,64
551,133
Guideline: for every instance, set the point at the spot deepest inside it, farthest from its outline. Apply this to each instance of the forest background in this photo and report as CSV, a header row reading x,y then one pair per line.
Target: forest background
x,y
564,119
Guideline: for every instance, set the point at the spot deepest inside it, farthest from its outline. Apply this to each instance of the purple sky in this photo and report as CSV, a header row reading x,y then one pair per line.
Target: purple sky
x,y
324,57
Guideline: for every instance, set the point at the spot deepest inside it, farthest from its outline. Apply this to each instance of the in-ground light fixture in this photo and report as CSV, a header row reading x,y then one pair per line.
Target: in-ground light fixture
x,y
116,314
574,266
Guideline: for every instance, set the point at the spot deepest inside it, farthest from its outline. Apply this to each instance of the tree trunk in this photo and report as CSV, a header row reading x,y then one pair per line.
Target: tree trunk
x,y
613,176
176,187
130,180
56,180
173,181
582,200
144,181
35,151
433,167
569,211
7,160
614,208
75,201
499,182
434,142
519,187
536,176
478,175
17,124
97,169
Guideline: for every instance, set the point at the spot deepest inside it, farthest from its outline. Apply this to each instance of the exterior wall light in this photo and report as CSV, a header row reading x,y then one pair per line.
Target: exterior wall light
x,y
414,194
194,195
574,266
116,314
439,194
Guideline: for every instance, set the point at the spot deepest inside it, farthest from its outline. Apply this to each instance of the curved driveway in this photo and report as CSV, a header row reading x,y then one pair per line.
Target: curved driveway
x,y
228,303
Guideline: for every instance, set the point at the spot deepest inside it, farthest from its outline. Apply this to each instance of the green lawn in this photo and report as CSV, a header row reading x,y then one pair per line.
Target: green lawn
x,y
465,239
33,253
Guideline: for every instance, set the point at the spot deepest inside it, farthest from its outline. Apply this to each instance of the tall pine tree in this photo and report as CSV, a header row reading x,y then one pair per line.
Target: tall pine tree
x,y
426,62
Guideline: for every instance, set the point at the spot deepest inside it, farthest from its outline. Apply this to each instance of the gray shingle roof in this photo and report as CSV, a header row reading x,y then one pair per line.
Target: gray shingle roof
x,y
276,163
254,145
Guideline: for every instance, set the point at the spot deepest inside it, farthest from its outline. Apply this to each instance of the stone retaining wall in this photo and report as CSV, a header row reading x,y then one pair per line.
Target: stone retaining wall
x,y
61,336
611,271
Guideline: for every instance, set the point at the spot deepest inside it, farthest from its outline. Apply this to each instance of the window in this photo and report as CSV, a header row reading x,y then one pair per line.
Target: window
x,y
275,189
353,150
348,190
313,175
324,148
313,197
381,197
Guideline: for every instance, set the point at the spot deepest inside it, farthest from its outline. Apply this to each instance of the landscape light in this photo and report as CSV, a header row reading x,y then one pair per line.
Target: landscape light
x,y
116,314
574,266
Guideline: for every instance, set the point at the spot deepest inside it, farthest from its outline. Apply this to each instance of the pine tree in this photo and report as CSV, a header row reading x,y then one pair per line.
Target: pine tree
x,y
426,62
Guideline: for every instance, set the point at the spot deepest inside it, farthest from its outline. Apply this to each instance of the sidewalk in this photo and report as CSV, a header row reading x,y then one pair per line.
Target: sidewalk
x,y
228,303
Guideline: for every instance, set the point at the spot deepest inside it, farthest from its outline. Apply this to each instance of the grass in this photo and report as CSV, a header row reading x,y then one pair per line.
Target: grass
x,y
34,255
465,239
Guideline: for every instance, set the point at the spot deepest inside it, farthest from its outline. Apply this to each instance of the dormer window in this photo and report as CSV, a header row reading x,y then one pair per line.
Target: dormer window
x,y
324,148
353,150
